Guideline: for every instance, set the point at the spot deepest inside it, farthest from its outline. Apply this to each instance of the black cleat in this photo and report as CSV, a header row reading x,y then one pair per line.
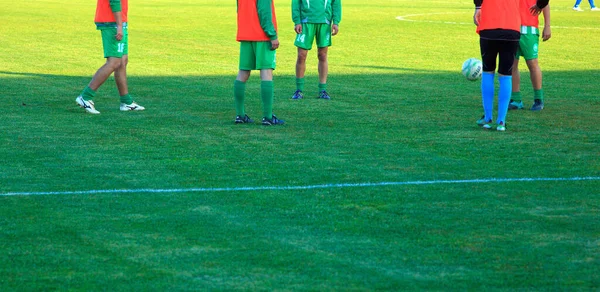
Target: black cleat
x,y
243,120
272,121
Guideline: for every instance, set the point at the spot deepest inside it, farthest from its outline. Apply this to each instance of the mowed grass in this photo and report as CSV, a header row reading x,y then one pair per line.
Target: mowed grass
x,y
329,201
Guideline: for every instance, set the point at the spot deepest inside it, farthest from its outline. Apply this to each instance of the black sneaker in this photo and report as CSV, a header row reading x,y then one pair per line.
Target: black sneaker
x,y
243,120
538,105
272,122
298,95
323,94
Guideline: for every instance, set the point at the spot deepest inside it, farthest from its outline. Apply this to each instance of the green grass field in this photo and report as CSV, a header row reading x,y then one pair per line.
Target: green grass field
x,y
388,186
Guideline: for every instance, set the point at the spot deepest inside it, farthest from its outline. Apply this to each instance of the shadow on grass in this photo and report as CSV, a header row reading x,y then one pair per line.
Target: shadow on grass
x,y
377,127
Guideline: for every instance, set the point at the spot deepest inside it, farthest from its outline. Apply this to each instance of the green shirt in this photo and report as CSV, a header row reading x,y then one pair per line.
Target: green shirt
x,y
316,11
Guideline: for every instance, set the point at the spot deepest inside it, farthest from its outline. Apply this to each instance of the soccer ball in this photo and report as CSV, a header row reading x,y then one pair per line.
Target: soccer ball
x,y
472,69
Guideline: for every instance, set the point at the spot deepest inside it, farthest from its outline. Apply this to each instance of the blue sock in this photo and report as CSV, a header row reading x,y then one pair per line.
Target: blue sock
x,y
487,94
504,97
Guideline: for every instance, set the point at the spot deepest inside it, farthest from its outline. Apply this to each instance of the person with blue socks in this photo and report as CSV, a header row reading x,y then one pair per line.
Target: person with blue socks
x,y
499,28
592,6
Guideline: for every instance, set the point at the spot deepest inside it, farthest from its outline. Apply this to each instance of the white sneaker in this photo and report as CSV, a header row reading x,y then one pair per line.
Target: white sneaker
x,y
577,9
132,107
88,105
595,9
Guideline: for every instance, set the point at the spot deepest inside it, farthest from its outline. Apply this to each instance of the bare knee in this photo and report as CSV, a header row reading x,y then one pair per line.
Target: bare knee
x,y
302,55
322,54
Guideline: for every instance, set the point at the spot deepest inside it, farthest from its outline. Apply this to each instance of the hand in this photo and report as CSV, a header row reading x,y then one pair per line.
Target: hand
x,y
335,29
274,45
119,35
298,28
477,16
535,10
546,33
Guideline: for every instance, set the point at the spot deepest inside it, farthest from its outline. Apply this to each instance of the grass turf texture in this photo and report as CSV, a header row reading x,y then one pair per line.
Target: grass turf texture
x,y
401,112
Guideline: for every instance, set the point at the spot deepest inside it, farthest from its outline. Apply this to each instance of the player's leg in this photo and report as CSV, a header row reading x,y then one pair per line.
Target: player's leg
x,y
265,62
530,44
247,63
576,6
489,53
506,61
592,5
516,99
113,61
536,81
323,72
323,38
300,70
304,41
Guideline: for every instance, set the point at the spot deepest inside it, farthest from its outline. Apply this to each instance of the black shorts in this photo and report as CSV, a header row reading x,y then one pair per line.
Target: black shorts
x,y
498,42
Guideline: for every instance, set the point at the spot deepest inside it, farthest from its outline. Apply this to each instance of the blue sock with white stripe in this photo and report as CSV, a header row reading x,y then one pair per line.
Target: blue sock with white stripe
x,y
487,94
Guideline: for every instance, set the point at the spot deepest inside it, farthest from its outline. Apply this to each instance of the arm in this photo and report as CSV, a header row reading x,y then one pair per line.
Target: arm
x,y
537,8
297,16
546,33
477,14
337,16
265,17
115,6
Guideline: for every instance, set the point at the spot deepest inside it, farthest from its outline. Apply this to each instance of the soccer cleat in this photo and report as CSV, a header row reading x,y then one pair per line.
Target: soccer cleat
x,y
243,120
515,105
576,8
501,127
483,123
323,94
272,122
538,105
132,107
88,105
298,95
595,9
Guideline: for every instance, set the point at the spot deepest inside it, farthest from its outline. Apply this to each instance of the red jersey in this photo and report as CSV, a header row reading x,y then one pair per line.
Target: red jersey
x,y
256,20
500,14
526,18
104,10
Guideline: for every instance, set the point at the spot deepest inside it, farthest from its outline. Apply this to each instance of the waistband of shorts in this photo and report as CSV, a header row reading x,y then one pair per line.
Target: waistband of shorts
x,y
529,30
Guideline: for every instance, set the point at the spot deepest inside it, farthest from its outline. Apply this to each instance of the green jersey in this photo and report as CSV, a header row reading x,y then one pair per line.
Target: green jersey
x,y
316,11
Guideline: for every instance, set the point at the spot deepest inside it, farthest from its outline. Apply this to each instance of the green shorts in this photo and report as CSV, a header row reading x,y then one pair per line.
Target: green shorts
x,y
112,47
310,31
256,56
529,43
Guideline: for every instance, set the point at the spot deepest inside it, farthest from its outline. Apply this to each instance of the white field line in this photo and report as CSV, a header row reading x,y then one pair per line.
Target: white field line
x,y
307,187
410,16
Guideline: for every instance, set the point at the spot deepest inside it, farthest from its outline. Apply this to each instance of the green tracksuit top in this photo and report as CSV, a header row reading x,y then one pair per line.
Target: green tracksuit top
x,y
316,11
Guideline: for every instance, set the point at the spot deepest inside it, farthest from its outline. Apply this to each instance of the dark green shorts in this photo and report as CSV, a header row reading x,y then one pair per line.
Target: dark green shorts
x,y
311,31
112,47
256,56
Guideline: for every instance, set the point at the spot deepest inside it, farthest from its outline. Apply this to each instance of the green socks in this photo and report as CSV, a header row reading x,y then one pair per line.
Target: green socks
x,y
239,92
538,94
126,99
322,87
516,96
300,84
266,93
88,93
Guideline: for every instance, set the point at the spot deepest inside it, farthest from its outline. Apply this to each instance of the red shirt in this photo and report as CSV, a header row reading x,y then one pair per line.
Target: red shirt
x,y
105,14
249,28
526,18
500,14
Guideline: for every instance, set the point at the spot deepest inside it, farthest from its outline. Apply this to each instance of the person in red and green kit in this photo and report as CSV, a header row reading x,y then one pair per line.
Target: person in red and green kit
x,y
111,20
257,34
